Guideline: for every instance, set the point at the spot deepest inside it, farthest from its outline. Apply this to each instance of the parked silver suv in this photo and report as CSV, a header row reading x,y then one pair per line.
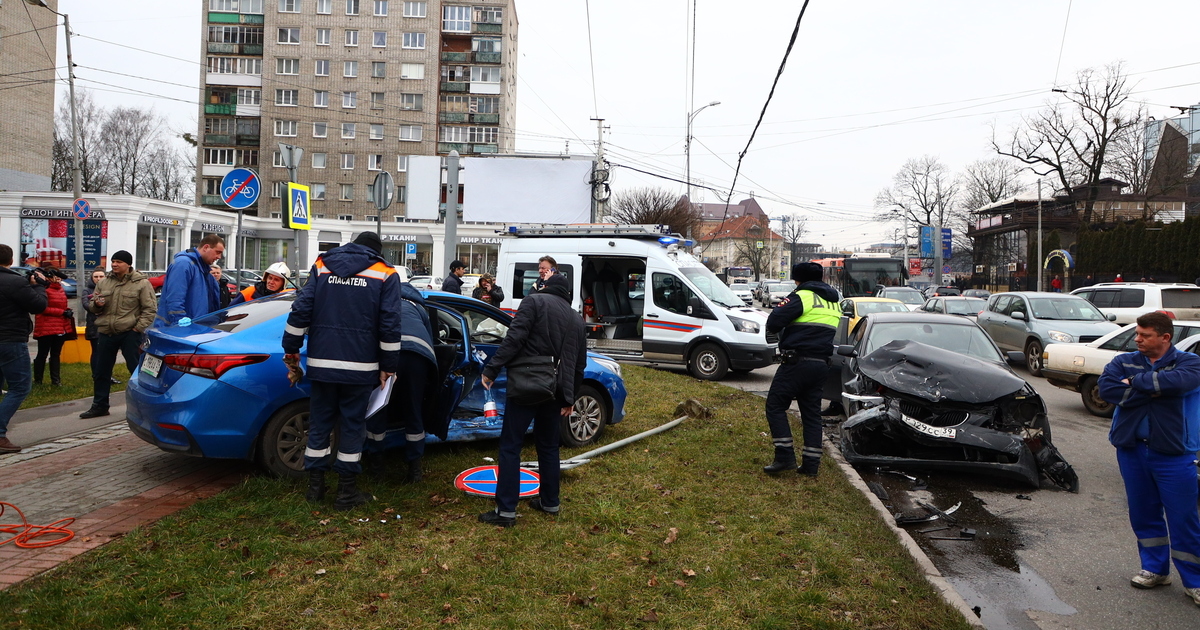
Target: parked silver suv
x,y
1030,321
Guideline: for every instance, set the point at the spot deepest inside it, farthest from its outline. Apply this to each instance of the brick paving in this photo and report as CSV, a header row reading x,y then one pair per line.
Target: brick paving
x,y
110,481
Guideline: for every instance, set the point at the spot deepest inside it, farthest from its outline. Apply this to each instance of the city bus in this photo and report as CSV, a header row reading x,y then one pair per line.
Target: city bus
x,y
859,274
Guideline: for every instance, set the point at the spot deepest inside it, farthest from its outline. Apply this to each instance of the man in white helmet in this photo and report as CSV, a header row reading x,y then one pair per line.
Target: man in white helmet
x,y
274,281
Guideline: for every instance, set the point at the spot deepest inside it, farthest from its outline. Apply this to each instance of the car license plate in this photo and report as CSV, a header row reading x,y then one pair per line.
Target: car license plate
x,y
152,365
930,430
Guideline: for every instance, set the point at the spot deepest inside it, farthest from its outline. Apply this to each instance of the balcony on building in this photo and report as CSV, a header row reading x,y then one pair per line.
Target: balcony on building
x,y
235,18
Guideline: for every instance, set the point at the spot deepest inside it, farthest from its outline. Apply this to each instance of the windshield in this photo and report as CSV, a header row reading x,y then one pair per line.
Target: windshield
x,y
969,339
712,287
908,297
1076,309
863,275
970,306
866,308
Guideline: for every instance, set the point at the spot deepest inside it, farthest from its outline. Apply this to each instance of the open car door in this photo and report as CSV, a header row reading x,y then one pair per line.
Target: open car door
x,y
458,368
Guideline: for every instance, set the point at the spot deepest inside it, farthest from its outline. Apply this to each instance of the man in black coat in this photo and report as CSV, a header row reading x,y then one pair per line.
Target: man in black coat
x,y
20,297
453,282
545,325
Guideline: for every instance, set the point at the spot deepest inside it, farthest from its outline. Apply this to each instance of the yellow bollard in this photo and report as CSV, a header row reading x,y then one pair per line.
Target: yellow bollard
x,y
77,350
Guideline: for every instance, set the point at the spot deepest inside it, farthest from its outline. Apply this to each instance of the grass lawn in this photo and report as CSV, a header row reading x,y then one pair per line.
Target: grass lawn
x,y
681,530
76,383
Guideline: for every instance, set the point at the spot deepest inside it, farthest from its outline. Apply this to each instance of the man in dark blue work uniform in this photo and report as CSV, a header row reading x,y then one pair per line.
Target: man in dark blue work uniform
x,y
350,310
1156,429
417,382
806,322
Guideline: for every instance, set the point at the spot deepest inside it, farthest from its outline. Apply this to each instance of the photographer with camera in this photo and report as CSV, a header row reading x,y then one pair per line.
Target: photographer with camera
x,y
52,327
20,297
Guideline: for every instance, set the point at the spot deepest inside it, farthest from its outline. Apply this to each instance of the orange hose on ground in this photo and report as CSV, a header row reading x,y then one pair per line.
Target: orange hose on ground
x,y
25,533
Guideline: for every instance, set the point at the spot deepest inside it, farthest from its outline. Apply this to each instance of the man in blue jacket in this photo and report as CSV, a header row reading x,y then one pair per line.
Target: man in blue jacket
x,y
1156,429
350,310
189,290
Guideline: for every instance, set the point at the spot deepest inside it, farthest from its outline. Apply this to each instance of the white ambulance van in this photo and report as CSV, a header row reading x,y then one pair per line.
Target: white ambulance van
x,y
643,297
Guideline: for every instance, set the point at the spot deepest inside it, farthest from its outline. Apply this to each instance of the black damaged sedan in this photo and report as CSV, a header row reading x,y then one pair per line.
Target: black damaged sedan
x,y
933,392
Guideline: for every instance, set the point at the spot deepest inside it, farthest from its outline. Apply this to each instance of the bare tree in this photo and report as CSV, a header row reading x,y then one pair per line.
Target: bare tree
x,y
655,206
792,228
166,175
923,192
131,136
93,171
1071,140
754,247
985,182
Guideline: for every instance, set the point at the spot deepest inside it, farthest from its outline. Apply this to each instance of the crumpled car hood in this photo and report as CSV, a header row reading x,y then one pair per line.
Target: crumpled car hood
x,y
936,375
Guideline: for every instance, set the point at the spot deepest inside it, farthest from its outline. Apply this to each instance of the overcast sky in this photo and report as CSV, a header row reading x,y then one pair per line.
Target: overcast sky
x,y
869,84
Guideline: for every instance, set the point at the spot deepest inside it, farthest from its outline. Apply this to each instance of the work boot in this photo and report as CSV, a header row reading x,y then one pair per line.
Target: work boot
x,y
6,446
809,466
415,473
94,412
372,464
348,496
316,486
785,459
1148,579
536,504
493,517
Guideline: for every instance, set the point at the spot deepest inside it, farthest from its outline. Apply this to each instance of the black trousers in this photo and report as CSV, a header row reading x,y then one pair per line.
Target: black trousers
x,y
48,346
803,381
107,346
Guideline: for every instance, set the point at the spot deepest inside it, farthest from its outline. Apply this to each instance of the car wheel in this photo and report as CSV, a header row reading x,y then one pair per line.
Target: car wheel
x,y
708,362
587,420
1089,390
1033,358
281,449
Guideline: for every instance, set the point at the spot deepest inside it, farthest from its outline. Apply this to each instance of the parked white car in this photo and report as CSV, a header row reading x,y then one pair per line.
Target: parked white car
x,y
743,291
1077,366
1128,300
426,283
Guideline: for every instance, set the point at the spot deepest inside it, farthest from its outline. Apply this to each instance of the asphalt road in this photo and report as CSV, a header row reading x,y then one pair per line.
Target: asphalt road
x,y
1051,560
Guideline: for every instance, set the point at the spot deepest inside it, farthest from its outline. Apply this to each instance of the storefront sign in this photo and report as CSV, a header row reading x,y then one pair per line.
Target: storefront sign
x,y
480,240
403,238
66,213
157,220
214,228
247,232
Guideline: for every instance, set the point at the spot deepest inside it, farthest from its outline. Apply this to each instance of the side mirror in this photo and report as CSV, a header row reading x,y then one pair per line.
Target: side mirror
x,y
1019,315
1112,317
849,312
846,351
1014,357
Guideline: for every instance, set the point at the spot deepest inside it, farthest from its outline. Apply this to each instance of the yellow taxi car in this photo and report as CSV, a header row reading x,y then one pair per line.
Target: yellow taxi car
x,y
858,307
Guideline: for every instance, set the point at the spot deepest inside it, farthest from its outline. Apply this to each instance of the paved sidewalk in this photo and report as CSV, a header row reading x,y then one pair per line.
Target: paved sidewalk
x,y
109,480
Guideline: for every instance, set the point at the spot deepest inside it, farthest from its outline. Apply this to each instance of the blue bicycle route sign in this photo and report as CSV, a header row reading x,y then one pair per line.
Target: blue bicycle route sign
x,y
240,188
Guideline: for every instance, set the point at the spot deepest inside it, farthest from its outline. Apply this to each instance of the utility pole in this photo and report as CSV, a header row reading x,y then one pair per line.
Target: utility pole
x,y
905,245
936,237
291,158
450,250
687,152
1039,258
599,176
76,182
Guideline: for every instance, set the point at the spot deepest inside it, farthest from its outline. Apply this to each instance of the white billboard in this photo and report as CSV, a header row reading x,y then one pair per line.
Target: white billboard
x,y
526,190
424,193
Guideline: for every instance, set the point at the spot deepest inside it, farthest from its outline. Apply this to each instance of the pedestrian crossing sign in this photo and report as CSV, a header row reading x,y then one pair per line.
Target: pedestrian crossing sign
x,y
295,208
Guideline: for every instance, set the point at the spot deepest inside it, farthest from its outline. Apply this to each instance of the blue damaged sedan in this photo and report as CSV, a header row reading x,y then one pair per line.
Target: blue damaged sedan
x,y
218,387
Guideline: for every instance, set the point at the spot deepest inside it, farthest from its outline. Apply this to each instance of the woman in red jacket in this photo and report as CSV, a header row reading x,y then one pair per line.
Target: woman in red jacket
x,y
50,328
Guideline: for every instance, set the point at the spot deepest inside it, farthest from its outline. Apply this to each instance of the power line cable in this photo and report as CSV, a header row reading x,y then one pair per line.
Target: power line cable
x,y
1063,42
591,58
779,73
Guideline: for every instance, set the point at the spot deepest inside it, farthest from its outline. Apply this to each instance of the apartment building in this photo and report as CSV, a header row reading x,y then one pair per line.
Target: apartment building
x,y
359,85
28,37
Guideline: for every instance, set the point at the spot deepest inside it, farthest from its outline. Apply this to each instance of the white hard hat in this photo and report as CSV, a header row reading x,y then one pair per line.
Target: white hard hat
x,y
280,269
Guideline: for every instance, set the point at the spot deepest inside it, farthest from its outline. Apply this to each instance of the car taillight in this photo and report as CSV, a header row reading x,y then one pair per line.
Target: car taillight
x,y
211,365
1167,313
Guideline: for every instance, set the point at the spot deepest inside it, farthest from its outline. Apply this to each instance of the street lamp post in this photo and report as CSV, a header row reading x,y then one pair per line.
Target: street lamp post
x,y
76,184
687,151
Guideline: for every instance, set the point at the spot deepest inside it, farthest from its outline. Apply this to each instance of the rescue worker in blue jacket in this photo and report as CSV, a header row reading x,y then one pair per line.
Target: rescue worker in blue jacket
x,y
1156,429
806,322
189,290
415,384
350,310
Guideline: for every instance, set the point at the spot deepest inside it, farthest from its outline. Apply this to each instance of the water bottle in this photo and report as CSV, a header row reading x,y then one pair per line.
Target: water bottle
x,y
489,406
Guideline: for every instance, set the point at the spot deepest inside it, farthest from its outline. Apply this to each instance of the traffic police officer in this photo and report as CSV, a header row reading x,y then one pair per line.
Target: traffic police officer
x,y
407,405
806,322
350,310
